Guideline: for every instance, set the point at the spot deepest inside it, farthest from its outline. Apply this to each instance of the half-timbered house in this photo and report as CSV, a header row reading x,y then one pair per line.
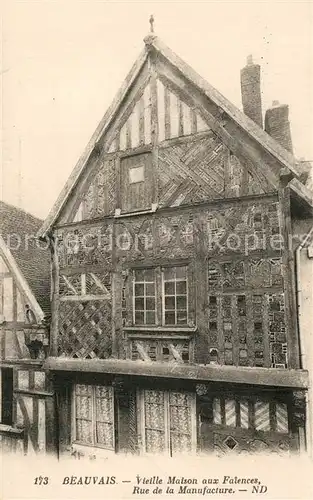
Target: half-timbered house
x,y
174,306
25,400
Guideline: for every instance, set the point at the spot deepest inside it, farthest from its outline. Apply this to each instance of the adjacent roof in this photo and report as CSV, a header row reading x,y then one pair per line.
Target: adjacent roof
x,y
18,229
285,158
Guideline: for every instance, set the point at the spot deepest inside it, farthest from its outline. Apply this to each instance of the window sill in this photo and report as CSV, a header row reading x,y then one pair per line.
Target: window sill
x,y
13,431
119,214
91,451
159,328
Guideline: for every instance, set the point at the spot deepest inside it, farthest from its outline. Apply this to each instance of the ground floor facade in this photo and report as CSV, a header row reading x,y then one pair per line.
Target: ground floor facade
x,y
81,413
99,415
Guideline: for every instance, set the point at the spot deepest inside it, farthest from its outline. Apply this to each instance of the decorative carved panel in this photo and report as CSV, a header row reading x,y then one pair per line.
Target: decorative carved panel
x,y
226,443
175,236
155,237
85,246
246,305
100,197
85,329
135,239
160,350
87,284
244,423
248,329
245,274
192,172
244,229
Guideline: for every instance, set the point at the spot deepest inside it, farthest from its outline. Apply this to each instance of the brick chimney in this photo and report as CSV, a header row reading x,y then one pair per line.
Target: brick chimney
x,y
277,124
250,77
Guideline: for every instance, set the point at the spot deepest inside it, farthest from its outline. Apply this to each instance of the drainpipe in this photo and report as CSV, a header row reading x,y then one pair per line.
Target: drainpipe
x,y
303,358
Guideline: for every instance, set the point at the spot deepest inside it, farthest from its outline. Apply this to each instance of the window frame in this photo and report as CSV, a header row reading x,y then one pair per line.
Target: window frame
x,y
163,296
160,297
134,296
94,443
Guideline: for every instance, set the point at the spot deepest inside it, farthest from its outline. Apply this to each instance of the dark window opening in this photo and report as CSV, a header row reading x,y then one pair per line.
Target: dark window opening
x,y
185,356
241,304
7,396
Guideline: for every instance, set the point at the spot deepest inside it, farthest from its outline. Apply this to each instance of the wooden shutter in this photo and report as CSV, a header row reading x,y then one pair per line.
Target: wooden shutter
x,y
180,422
104,418
154,421
83,414
136,182
169,422
94,415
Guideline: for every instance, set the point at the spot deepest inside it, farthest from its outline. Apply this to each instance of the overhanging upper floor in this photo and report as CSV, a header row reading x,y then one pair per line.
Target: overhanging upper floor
x,y
270,377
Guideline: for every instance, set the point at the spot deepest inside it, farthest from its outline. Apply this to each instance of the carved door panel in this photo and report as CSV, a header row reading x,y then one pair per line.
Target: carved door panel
x,y
240,441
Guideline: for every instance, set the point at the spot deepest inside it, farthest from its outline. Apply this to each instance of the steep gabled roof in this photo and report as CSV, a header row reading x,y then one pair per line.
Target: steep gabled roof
x,y
153,43
18,231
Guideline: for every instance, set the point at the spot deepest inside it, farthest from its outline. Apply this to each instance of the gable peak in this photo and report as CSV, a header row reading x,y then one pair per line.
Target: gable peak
x,y
150,38
151,21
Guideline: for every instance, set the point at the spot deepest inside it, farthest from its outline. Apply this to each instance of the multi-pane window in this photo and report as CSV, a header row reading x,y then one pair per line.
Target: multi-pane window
x,y
94,415
169,283
175,295
168,422
144,297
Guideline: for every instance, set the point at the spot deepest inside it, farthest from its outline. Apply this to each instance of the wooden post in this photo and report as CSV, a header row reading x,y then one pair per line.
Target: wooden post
x,y
51,418
154,129
200,293
54,330
289,279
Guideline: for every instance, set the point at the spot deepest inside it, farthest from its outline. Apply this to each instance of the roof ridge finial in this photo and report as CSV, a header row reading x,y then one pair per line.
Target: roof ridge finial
x,y
151,21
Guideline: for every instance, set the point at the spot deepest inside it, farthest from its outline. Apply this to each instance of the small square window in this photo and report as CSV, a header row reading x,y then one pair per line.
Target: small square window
x,y
136,174
185,356
227,326
258,326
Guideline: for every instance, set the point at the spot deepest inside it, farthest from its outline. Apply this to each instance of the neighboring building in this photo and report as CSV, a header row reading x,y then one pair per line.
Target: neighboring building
x,y
174,306
24,313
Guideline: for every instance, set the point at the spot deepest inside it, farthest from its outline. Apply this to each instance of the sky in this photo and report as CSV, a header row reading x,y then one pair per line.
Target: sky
x,y
64,60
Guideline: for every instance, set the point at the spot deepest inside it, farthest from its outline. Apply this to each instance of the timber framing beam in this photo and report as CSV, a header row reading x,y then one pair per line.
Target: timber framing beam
x,y
270,377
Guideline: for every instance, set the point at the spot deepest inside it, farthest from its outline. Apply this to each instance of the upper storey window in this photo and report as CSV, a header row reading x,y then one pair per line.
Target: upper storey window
x,y
170,284
136,174
136,182
145,297
175,296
